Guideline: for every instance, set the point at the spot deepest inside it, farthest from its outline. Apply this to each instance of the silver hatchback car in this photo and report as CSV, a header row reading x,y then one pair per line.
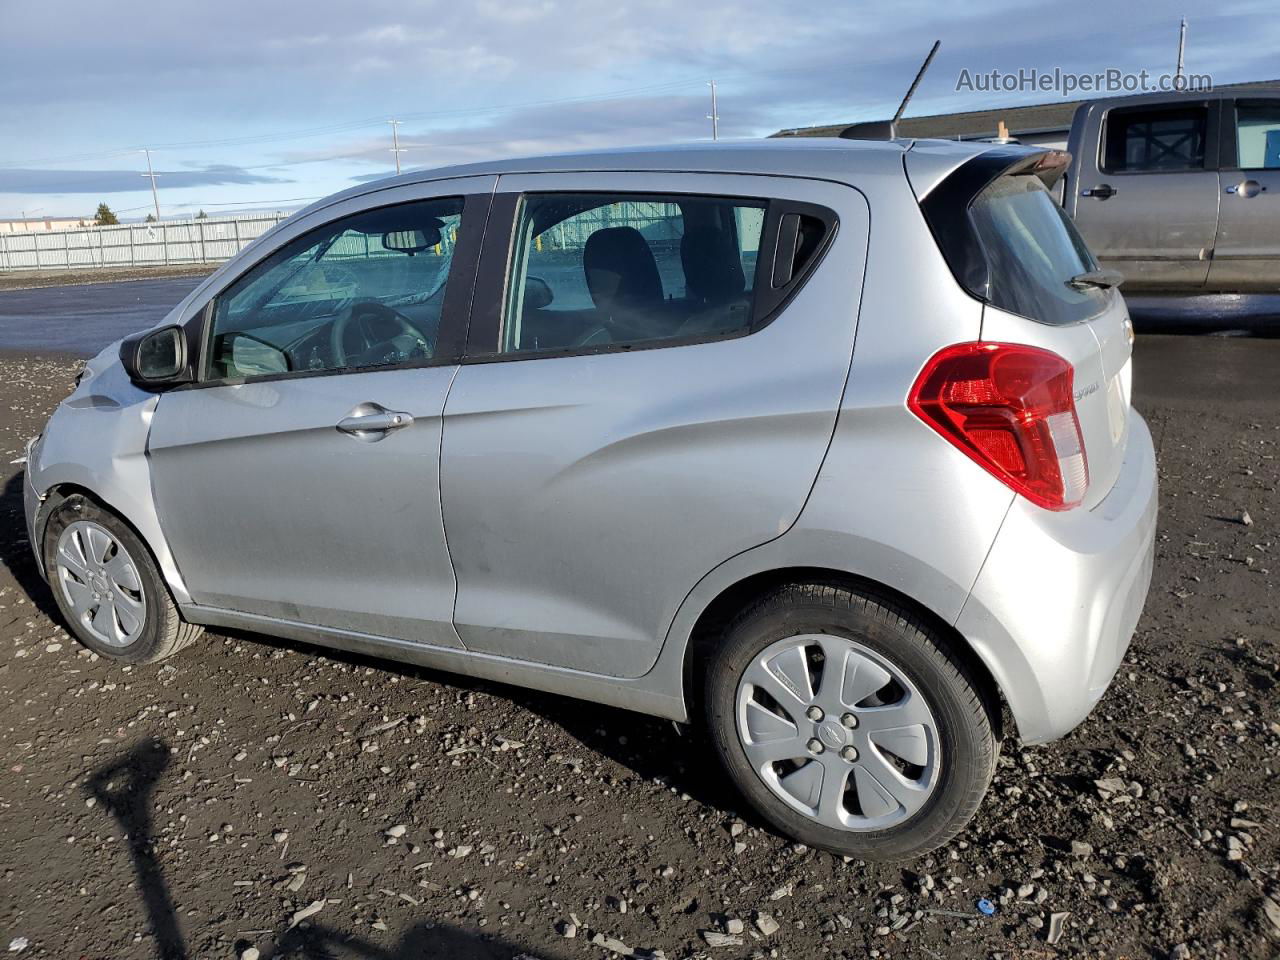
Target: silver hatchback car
x,y
827,444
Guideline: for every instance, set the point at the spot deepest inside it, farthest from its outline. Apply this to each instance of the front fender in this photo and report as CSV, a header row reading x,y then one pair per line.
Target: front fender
x,y
96,442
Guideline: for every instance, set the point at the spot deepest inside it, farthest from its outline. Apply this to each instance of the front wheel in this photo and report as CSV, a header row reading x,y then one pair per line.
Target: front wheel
x,y
847,723
108,587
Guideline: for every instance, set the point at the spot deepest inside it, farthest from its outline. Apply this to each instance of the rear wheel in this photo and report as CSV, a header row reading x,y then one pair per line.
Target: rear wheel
x,y
847,723
108,587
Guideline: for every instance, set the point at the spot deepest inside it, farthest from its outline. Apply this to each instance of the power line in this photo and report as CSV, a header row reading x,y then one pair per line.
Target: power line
x,y
352,125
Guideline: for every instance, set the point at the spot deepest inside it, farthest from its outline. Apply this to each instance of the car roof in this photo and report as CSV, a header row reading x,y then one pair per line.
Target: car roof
x,y
824,158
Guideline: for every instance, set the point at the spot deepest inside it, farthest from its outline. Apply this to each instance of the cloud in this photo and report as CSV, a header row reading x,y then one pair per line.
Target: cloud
x,y
29,181
255,85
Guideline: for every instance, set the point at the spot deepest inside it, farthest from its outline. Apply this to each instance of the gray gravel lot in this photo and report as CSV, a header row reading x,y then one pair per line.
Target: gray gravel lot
x,y
253,793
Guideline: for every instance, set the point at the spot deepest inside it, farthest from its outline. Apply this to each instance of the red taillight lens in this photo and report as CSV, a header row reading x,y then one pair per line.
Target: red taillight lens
x,y
1010,408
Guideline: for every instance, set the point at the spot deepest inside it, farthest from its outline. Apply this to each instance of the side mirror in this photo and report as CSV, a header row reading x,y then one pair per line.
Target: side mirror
x,y
157,358
536,293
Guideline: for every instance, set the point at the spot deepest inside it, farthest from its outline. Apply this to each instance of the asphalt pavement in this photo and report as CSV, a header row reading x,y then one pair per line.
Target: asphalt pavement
x,y
82,319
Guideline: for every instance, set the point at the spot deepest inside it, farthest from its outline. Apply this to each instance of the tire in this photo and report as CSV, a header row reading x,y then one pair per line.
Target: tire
x,y
934,726
129,625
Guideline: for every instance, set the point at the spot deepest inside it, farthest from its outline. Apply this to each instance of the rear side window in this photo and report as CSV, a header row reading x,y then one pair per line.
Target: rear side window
x,y
1032,250
1144,141
594,271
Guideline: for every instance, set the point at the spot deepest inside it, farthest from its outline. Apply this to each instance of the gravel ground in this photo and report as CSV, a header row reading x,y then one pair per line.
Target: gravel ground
x,y
255,795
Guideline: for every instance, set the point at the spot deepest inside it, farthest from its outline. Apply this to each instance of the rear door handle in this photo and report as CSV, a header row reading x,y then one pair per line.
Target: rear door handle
x,y
372,421
1101,192
1249,188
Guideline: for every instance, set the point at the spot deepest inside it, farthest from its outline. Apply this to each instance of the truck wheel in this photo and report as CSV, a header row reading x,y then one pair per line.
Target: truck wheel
x,y
848,725
108,587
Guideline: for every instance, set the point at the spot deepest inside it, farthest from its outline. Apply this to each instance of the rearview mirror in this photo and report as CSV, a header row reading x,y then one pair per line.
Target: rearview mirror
x,y
411,241
157,358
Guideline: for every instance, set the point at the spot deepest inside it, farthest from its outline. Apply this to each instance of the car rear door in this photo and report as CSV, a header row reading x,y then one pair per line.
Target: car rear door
x,y
1246,256
301,485
1148,204
654,393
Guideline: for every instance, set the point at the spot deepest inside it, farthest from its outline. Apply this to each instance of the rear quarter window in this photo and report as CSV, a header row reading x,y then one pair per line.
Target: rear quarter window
x,y
1032,250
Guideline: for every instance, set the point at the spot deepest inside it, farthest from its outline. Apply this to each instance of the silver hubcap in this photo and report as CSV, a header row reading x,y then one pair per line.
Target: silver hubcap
x,y
100,583
838,732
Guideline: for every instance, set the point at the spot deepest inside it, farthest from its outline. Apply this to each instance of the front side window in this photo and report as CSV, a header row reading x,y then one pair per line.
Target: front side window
x,y
1258,135
364,291
592,271
1143,141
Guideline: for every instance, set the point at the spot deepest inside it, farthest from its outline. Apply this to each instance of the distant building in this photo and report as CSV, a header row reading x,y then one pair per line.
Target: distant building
x,y
40,224
1040,125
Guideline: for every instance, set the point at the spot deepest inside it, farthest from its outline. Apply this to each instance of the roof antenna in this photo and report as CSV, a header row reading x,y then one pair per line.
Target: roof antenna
x,y
889,131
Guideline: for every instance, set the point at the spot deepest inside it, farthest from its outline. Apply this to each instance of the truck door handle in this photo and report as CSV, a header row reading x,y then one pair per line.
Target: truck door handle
x,y
371,422
1101,192
1249,188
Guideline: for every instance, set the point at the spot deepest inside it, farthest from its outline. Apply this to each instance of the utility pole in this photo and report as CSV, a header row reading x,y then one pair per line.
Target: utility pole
x,y
396,149
1182,49
714,115
155,199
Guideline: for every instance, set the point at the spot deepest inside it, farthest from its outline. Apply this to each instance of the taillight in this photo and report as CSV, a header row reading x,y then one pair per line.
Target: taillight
x,y
1010,408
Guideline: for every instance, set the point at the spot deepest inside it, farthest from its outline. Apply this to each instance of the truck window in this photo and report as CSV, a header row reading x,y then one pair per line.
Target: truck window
x,y
1032,250
1258,135
1142,141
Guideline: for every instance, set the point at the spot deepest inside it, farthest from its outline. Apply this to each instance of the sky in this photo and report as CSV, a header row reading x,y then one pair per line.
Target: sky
x,y
272,103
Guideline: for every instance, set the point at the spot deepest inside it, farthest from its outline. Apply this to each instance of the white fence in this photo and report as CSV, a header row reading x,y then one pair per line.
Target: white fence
x,y
133,245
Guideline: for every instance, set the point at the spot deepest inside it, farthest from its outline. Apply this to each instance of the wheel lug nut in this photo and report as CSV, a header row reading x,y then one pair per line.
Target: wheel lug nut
x,y
814,713
849,720
849,753
815,745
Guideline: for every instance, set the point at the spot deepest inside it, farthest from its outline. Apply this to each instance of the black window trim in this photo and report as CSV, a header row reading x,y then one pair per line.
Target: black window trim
x,y
1212,136
494,273
454,312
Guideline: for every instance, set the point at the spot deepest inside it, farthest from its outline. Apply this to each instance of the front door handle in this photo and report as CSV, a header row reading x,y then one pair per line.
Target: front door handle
x,y
1249,188
1101,192
372,421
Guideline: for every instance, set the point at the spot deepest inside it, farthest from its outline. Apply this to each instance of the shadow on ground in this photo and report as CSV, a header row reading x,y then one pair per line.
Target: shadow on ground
x,y
649,747
15,551
124,789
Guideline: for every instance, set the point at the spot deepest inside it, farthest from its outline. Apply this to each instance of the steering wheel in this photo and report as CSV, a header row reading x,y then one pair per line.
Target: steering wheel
x,y
370,308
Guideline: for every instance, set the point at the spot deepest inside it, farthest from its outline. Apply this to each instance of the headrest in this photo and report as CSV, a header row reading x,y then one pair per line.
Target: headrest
x,y
620,268
712,265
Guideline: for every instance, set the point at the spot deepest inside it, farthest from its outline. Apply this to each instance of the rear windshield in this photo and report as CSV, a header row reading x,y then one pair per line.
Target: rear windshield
x,y
1032,250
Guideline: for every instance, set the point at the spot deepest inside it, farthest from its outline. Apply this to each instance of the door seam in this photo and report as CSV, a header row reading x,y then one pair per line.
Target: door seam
x,y
444,528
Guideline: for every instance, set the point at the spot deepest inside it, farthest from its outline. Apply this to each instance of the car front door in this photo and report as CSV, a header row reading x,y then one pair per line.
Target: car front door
x,y
1247,254
1149,206
299,479
653,394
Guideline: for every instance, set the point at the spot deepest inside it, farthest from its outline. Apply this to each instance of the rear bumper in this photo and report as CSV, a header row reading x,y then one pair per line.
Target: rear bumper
x,y
1056,603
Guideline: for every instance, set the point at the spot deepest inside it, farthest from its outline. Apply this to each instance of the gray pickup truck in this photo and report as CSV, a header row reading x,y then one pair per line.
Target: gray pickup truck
x,y
1180,192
